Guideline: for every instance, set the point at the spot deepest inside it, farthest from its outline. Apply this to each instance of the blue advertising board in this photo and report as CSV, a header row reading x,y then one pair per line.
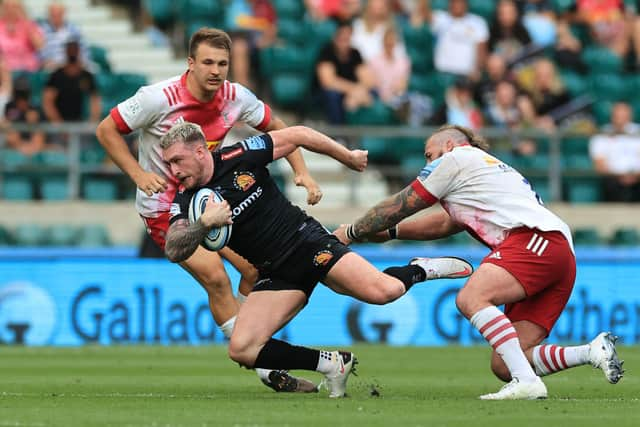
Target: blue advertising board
x,y
76,301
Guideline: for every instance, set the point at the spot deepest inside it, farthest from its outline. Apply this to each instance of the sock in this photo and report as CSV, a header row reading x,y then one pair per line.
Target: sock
x,y
241,298
496,328
278,354
227,327
326,362
409,275
548,359
263,374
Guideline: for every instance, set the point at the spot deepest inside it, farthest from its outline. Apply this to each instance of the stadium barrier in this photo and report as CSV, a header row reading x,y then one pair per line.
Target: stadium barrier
x,y
77,297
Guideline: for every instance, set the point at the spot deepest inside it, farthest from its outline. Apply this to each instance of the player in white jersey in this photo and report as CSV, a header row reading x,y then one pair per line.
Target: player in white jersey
x,y
531,268
201,95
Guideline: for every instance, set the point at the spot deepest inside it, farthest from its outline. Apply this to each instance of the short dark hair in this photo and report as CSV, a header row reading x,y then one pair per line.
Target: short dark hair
x,y
211,36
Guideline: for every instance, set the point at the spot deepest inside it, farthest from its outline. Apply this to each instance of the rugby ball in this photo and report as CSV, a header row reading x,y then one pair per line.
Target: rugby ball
x,y
217,237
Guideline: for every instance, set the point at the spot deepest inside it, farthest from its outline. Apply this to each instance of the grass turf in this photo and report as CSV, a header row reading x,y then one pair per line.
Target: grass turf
x,y
200,386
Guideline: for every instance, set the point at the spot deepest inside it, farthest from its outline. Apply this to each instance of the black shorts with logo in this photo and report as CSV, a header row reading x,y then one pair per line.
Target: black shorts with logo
x,y
307,264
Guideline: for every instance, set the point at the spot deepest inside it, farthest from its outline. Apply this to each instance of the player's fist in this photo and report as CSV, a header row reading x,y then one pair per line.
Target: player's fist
x,y
314,194
358,160
216,214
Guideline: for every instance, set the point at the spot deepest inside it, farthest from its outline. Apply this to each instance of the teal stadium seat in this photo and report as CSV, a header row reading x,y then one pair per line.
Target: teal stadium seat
x,y
586,236
583,189
574,82
62,235
99,189
289,9
30,235
381,150
13,159
93,235
17,187
609,87
602,112
99,56
484,8
290,89
625,236
54,187
601,60
293,31
163,12
376,114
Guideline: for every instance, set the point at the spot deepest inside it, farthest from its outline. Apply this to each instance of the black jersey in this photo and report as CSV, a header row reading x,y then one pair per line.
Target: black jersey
x,y
265,224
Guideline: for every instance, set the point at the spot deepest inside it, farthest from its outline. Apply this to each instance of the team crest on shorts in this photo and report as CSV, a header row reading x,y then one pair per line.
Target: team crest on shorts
x,y
243,180
322,258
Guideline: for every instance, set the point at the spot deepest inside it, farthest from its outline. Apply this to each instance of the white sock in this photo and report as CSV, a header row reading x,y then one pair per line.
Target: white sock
x,y
227,327
326,362
241,298
496,328
548,359
263,374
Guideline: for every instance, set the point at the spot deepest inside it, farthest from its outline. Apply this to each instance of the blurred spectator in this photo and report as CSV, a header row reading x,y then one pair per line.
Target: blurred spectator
x,y
546,93
616,156
459,107
341,10
344,80
68,88
57,32
391,69
6,91
495,71
20,110
539,19
20,38
607,22
369,29
252,25
507,34
461,39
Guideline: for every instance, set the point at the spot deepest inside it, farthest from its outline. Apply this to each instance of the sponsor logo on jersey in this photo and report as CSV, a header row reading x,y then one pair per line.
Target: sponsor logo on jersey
x,y
496,255
322,258
243,180
426,171
212,145
246,202
255,143
226,119
132,106
231,154
491,160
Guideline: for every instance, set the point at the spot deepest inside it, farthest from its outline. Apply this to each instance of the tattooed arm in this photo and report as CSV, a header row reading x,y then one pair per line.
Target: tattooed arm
x,y
183,239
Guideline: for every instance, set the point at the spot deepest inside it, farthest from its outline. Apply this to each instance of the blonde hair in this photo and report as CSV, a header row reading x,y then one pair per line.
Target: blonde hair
x,y
185,132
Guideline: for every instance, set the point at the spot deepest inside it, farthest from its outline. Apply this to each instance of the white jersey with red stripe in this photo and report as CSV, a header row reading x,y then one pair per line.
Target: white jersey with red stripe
x,y
486,196
155,108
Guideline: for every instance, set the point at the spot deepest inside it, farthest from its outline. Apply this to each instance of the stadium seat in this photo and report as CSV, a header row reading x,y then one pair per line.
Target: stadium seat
x,y
541,187
602,112
625,236
290,89
17,187
376,114
586,236
582,189
93,235
484,8
6,237
440,4
421,62
322,31
381,150
54,188
561,6
574,82
13,159
293,31
201,11
30,235
99,189
289,9
608,87
601,60
417,37
55,159
62,235
162,11
288,58
99,57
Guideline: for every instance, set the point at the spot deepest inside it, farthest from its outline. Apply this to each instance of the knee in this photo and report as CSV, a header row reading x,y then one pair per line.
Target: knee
x,y
384,292
242,351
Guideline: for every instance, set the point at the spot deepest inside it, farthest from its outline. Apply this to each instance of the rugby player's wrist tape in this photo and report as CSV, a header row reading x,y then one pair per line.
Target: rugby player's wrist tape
x,y
351,233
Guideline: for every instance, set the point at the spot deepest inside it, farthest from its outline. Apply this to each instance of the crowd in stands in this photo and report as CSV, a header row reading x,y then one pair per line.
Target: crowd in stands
x,y
518,65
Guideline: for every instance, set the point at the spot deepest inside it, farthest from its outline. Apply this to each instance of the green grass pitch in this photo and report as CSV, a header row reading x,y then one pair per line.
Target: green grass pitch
x,y
200,386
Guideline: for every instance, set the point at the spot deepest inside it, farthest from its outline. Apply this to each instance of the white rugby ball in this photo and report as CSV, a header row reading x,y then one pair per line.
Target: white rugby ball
x,y
218,237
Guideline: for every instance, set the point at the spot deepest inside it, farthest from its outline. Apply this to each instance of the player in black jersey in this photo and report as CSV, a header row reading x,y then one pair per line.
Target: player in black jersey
x,y
292,251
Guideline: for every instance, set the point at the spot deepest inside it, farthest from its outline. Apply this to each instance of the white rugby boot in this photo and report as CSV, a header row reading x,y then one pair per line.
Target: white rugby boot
x,y
603,355
444,267
344,364
519,390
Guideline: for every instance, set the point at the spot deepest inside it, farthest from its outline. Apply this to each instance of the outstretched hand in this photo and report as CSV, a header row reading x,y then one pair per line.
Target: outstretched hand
x,y
314,194
358,160
150,183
